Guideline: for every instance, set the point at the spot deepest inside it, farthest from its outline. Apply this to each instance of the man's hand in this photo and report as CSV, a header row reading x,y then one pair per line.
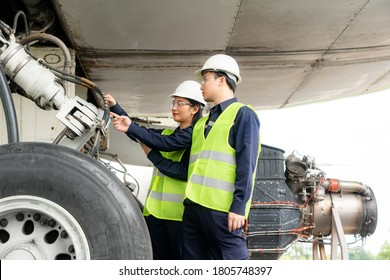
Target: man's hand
x,y
121,123
235,221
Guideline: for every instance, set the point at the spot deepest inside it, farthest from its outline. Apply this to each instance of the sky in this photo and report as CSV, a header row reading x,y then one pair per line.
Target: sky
x,y
349,139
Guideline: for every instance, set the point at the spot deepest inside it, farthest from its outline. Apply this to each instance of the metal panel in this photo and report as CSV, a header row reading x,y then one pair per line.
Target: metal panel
x,y
289,52
292,26
150,24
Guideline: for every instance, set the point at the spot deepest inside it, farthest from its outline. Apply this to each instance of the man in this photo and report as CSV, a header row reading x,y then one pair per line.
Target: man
x,y
224,153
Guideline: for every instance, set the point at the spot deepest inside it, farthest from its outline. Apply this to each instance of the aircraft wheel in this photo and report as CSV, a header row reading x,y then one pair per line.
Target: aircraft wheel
x,y
57,203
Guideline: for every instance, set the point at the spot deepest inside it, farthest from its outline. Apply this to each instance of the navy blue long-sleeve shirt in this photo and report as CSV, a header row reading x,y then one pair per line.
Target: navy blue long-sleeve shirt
x,y
244,138
181,139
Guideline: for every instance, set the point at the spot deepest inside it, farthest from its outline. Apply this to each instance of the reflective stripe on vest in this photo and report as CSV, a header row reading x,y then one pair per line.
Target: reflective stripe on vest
x,y
215,156
213,163
165,196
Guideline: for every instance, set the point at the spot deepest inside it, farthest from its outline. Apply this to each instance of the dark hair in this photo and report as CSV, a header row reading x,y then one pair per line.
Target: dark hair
x,y
230,82
198,115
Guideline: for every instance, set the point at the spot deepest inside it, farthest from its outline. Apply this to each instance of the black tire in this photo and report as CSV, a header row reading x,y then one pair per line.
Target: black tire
x,y
105,209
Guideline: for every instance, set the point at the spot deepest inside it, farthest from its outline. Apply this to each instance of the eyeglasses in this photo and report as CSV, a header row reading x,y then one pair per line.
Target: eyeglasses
x,y
180,104
205,79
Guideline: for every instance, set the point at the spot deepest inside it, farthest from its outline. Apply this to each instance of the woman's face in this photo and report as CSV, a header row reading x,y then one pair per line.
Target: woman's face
x,y
183,111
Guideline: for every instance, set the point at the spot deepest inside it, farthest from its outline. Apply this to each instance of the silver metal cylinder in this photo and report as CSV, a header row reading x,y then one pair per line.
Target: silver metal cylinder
x,y
358,213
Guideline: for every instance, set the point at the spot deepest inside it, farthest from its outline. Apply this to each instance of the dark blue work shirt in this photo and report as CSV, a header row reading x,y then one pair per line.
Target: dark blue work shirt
x,y
179,140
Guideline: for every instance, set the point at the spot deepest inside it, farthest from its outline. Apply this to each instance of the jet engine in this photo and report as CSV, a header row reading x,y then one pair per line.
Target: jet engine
x,y
293,200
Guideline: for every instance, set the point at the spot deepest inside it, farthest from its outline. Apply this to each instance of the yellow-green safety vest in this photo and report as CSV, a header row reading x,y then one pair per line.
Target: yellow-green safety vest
x,y
213,166
166,194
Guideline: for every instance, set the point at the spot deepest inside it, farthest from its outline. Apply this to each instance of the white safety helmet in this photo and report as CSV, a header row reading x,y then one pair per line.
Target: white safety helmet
x,y
223,63
190,90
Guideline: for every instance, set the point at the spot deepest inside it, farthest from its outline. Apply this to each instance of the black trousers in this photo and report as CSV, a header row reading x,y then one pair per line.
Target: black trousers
x,y
167,238
206,235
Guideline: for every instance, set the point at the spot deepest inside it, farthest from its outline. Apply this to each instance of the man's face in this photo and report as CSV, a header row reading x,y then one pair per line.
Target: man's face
x,y
209,86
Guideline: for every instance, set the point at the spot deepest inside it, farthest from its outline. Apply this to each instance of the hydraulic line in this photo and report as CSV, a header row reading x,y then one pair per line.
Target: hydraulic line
x,y
15,25
97,92
53,39
334,185
9,109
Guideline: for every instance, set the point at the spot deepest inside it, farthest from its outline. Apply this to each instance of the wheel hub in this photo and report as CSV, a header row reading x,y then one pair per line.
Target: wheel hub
x,y
23,252
33,228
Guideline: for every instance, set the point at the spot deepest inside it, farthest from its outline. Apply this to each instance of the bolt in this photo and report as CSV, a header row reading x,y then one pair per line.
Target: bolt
x,y
37,217
71,249
20,217
51,223
3,222
64,234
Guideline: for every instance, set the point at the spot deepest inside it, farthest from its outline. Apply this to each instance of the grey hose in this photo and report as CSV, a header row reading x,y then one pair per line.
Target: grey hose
x,y
53,39
9,109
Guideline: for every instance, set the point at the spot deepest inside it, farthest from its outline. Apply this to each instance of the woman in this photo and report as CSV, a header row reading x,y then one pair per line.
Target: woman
x,y
164,203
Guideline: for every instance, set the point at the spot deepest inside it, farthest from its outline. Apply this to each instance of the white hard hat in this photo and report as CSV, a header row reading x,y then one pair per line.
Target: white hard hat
x,y
223,63
191,90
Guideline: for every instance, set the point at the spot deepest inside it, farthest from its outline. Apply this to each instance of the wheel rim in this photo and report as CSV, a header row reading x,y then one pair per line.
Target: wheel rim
x,y
32,227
